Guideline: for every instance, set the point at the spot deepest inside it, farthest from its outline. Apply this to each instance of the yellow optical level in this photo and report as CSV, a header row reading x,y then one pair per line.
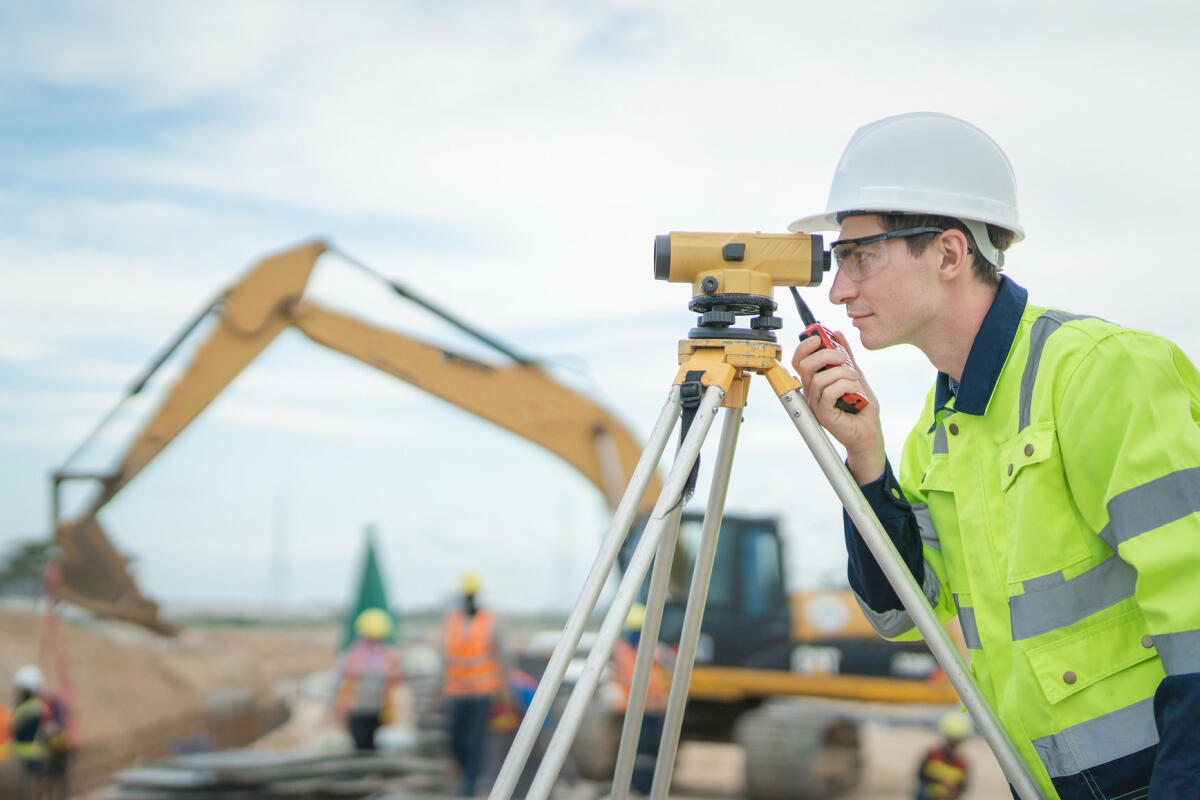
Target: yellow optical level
x,y
739,263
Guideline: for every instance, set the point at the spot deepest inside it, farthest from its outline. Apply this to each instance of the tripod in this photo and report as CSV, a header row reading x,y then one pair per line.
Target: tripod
x,y
716,365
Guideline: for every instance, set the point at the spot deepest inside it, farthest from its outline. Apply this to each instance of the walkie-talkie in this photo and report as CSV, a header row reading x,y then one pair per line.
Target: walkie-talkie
x,y
850,402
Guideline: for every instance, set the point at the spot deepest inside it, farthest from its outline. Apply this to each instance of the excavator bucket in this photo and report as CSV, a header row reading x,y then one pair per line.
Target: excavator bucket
x,y
95,576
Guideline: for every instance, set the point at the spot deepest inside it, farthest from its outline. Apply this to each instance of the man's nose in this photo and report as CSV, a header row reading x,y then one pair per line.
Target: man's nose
x,y
842,290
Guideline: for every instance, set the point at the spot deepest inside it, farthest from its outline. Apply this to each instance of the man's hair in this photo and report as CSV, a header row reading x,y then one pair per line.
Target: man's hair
x,y
984,269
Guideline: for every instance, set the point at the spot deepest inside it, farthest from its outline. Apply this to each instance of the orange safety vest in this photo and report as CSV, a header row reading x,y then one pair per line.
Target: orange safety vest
x,y
625,659
472,667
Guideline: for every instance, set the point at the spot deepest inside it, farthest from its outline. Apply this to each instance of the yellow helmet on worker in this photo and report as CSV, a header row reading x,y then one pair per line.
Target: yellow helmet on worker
x,y
956,726
635,618
374,623
469,582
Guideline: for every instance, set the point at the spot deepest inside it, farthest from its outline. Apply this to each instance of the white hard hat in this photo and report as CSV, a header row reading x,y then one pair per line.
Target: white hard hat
x,y
28,678
924,163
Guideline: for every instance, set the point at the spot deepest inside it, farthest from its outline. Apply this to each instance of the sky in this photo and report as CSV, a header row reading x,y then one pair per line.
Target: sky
x,y
511,162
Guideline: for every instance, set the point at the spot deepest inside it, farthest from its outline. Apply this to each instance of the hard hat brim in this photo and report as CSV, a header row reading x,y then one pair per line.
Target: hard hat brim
x,y
817,223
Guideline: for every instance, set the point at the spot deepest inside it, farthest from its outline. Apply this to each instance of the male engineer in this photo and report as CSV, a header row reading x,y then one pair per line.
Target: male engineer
x,y
1049,493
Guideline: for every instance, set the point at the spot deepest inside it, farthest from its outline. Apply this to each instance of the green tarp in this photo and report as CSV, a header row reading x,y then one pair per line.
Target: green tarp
x,y
372,593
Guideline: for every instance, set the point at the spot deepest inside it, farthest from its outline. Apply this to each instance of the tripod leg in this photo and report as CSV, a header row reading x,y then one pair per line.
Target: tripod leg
x,y
639,565
915,602
551,680
656,598
694,614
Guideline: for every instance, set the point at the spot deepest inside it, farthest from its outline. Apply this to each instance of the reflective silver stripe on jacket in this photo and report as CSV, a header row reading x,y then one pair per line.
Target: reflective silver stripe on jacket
x,y
929,536
1100,740
1180,652
966,621
1146,507
1052,602
1043,326
897,621
940,443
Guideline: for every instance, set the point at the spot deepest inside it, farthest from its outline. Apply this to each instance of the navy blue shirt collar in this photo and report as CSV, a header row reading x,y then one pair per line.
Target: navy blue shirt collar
x,y
988,353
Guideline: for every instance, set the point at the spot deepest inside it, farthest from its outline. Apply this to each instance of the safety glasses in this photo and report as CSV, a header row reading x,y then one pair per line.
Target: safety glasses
x,y
860,258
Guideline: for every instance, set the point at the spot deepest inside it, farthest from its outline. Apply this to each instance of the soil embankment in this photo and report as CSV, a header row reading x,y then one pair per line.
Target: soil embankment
x,y
139,696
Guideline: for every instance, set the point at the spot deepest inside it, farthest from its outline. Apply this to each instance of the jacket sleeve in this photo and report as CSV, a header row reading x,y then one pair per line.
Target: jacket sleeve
x,y
1134,473
901,510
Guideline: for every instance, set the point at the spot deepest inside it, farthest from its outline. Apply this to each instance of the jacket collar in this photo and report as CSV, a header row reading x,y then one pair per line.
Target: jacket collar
x,y
987,356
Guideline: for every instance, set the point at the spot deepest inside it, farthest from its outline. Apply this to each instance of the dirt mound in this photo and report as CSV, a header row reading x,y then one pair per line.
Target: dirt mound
x,y
139,696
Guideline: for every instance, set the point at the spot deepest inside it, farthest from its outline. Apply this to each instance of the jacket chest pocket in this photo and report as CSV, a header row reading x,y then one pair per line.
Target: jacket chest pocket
x,y
1043,533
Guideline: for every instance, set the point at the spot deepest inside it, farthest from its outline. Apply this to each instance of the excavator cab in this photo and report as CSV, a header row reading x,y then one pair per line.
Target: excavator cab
x,y
747,619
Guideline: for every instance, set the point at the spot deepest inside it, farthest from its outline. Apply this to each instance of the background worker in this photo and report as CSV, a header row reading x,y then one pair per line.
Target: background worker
x,y
624,659
1048,493
370,672
943,771
57,735
28,731
472,674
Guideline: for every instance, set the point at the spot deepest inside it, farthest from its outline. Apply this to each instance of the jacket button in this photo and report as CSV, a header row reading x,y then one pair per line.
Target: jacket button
x,y
953,429
1028,449
1068,677
1147,641
1010,469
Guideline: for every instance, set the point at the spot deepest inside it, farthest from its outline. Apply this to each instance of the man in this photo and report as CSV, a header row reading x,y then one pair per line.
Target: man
x,y
624,660
369,674
1047,495
27,729
472,674
942,773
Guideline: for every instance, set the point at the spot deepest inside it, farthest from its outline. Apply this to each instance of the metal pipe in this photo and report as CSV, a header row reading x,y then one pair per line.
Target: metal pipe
x,y
910,594
635,572
664,770
552,677
656,598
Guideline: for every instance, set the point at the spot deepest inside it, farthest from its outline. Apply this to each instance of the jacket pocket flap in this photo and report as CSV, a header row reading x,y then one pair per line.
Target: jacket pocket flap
x,y
1072,664
1031,446
937,475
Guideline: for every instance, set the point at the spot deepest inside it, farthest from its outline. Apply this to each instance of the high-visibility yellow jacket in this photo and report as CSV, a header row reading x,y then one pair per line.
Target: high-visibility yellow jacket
x,y
1051,501
26,724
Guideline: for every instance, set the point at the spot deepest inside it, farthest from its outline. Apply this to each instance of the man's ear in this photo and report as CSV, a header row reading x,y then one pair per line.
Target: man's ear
x,y
956,255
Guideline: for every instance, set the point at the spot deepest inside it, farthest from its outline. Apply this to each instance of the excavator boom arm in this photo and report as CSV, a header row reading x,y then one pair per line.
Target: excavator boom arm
x,y
519,397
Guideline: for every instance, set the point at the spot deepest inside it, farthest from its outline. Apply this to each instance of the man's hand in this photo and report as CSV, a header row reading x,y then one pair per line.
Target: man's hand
x,y
824,377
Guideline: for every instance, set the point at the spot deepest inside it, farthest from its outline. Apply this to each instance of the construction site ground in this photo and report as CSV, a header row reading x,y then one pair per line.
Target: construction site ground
x,y
141,698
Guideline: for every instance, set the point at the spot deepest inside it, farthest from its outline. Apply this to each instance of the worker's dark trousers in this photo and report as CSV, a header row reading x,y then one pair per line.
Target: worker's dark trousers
x,y
363,725
647,752
468,727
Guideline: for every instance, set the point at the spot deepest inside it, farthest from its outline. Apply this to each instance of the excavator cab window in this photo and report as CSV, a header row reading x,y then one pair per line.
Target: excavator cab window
x,y
747,618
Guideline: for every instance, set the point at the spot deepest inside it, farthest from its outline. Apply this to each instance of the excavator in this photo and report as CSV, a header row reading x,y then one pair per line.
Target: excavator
x,y
519,396
758,642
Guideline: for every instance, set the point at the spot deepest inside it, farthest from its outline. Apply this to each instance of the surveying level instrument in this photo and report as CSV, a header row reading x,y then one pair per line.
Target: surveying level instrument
x,y
732,276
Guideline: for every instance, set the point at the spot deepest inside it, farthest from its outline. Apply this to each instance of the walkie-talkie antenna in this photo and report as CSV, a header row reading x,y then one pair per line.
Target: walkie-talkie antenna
x,y
806,316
